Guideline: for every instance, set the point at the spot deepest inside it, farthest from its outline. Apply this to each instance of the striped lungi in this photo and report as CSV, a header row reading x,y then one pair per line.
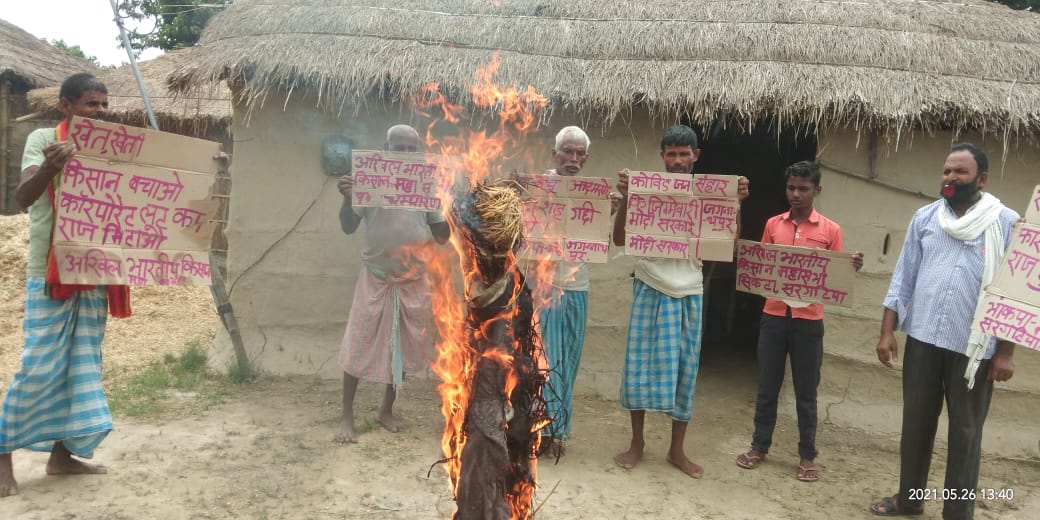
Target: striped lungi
x,y
663,353
563,333
389,331
57,395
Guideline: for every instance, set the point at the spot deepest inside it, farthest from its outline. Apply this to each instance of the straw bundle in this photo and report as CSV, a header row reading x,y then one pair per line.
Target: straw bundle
x,y
499,209
895,64
489,218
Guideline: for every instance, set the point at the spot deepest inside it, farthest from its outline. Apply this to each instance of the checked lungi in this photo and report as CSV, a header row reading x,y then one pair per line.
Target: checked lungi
x,y
57,394
563,333
663,353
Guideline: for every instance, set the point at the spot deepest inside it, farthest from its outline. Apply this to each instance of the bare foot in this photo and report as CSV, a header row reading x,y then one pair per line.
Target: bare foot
x,y
71,466
346,434
630,458
62,463
391,423
8,486
686,465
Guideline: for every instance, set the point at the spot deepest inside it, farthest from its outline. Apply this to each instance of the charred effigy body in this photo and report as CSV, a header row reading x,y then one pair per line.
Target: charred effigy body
x,y
505,408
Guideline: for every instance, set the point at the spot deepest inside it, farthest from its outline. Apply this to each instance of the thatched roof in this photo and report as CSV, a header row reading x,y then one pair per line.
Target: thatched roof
x,y
29,62
894,64
202,114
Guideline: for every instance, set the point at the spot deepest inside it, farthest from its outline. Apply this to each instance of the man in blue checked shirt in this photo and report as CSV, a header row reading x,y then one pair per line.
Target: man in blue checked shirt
x,y
952,249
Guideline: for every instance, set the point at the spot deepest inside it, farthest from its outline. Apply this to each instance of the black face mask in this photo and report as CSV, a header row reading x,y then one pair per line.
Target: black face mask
x,y
958,194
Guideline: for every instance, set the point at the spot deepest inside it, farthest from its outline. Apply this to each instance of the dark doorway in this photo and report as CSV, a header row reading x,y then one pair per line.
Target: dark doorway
x,y
731,317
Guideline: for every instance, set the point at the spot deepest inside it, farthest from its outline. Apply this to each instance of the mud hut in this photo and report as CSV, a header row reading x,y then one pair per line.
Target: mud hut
x,y
206,114
26,62
877,90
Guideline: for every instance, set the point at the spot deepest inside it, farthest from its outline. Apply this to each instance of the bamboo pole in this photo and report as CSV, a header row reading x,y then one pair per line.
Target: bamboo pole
x,y
133,65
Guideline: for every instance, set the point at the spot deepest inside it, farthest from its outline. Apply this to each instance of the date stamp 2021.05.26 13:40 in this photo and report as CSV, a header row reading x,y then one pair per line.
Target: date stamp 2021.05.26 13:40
x,y
1006,494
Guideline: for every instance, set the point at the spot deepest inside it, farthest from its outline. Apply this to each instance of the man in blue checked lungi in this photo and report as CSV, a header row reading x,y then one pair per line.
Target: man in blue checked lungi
x,y
564,318
55,402
664,330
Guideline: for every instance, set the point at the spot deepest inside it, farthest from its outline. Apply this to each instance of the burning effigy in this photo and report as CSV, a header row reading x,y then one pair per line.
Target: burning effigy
x,y
490,357
496,470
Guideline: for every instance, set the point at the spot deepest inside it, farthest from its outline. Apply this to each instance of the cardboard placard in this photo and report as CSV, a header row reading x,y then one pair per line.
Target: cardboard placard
x,y
802,274
566,218
673,215
125,203
1009,319
111,266
129,144
1032,215
398,180
1012,301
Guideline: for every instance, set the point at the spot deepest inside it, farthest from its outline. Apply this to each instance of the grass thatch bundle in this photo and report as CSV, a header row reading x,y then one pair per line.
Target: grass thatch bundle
x,y
205,113
28,62
489,218
893,64
500,212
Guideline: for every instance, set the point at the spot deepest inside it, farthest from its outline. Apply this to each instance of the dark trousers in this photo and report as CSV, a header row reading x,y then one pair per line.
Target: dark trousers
x,y
931,374
802,340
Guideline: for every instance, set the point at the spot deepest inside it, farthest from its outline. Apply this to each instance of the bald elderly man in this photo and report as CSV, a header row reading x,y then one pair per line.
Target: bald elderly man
x,y
388,329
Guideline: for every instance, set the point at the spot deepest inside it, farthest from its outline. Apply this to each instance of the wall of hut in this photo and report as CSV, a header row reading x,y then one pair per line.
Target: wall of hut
x,y
15,134
870,189
291,270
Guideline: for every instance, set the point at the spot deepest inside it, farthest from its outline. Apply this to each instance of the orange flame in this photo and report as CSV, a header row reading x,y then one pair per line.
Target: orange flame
x,y
482,154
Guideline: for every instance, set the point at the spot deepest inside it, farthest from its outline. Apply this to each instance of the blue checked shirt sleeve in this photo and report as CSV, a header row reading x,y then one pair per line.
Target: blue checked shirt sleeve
x,y
901,289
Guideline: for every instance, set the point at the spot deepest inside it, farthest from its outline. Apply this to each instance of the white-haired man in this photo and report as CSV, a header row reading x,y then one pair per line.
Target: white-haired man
x,y
563,320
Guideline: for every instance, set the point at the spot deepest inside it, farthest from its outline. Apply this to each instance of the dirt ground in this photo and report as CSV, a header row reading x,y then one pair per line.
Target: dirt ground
x,y
267,452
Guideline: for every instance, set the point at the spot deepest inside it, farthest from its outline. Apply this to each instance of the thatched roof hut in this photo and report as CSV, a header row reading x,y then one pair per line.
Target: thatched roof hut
x,y
893,64
845,72
28,62
204,114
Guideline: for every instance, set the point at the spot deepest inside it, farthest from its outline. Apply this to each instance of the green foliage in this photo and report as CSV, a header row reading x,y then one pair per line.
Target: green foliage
x,y
176,24
175,383
74,50
238,374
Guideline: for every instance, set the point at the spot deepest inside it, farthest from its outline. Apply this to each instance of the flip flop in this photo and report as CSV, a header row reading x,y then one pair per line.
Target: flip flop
x,y
750,460
889,506
808,474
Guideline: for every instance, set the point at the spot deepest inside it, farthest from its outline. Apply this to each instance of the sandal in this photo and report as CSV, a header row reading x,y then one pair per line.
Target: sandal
x,y
889,506
750,460
810,474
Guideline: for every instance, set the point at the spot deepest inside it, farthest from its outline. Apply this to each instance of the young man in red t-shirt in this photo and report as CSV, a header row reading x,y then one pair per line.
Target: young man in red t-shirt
x,y
793,328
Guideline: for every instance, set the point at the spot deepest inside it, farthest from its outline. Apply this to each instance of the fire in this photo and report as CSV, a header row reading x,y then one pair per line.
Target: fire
x,y
468,339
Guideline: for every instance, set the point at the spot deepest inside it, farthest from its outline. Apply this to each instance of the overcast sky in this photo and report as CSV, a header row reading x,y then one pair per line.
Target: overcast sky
x,y
87,23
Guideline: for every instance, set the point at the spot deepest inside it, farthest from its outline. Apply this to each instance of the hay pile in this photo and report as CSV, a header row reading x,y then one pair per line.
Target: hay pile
x,y
164,320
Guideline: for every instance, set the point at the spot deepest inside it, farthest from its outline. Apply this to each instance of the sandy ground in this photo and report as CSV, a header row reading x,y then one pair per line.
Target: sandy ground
x,y
267,451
